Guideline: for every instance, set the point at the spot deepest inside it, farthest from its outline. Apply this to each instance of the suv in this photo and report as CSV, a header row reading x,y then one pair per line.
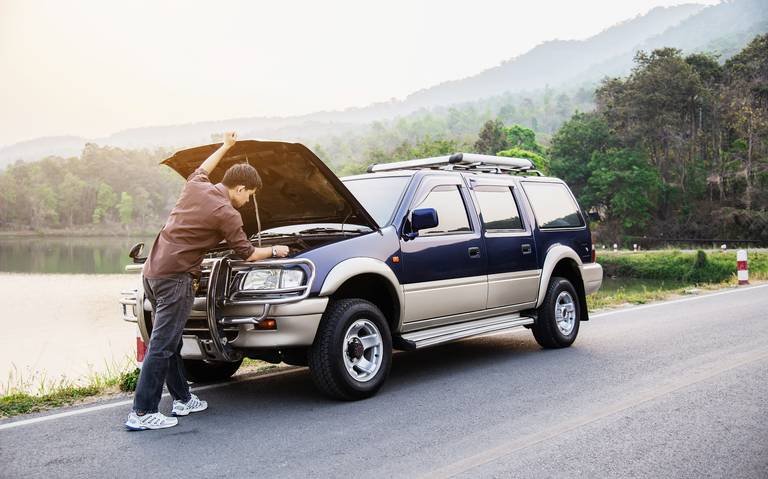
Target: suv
x,y
409,255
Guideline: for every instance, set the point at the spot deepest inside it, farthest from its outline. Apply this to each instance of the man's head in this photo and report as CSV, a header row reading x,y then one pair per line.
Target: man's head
x,y
242,180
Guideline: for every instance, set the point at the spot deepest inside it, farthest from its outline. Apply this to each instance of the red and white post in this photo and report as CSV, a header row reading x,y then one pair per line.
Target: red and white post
x,y
141,349
742,270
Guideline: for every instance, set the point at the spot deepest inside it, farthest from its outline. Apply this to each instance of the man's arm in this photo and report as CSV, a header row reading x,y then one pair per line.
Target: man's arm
x,y
210,163
264,253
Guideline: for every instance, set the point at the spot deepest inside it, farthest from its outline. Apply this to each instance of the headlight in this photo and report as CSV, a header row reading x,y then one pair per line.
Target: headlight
x,y
291,278
273,279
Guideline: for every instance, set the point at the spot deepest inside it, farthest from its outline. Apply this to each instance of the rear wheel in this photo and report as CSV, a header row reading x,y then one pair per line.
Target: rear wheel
x,y
199,371
352,352
557,324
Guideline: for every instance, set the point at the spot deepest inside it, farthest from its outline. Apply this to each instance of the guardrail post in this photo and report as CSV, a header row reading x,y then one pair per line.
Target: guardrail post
x,y
742,270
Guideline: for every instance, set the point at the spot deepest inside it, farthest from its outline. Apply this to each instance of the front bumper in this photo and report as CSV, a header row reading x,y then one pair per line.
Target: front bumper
x,y
223,327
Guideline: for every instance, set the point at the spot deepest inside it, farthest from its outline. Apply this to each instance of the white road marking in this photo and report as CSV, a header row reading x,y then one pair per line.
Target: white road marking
x,y
100,407
128,402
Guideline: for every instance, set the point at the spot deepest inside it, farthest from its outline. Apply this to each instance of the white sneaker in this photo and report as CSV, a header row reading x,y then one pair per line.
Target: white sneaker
x,y
193,405
149,421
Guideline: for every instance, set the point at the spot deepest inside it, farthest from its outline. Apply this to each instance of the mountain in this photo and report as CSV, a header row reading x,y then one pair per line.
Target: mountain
x,y
725,27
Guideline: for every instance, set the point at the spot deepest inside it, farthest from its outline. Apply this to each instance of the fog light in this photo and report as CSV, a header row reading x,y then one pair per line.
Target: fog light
x,y
267,324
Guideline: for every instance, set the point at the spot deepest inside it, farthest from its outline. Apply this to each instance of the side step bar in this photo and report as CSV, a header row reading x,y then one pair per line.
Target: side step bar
x,y
452,332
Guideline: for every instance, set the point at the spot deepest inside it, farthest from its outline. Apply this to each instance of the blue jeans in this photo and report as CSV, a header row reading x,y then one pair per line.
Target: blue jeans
x,y
171,300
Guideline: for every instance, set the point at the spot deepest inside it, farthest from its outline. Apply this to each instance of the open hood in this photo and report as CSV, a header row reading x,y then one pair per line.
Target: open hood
x,y
297,186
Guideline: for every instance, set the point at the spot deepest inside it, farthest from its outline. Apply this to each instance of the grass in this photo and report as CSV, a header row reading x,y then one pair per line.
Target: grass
x,y
643,277
23,395
28,395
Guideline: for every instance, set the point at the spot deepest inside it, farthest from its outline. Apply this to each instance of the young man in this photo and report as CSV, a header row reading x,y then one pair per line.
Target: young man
x,y
203,216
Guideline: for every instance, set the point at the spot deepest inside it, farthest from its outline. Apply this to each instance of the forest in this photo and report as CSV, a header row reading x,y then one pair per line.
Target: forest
x,y
677,149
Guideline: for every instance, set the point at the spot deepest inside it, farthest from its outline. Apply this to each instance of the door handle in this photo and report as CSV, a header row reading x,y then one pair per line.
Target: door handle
x,y
526,248
474,252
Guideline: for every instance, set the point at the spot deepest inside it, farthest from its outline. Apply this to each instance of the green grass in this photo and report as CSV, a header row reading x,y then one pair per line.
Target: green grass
x,y
688,267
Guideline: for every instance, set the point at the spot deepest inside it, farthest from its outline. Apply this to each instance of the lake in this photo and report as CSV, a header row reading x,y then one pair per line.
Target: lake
x,y
91,255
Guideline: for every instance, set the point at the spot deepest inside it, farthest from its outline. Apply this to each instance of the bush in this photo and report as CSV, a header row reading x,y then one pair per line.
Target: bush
x,y
128,380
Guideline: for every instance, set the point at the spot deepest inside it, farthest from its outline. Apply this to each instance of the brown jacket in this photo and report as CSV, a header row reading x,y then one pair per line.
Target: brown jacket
x,y
202,217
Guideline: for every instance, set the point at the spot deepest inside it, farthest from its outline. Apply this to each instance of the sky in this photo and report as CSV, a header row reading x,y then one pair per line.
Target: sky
x,y
92,68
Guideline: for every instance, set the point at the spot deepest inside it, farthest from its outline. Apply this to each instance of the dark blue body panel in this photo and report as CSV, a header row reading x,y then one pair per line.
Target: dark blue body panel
x,y
447,256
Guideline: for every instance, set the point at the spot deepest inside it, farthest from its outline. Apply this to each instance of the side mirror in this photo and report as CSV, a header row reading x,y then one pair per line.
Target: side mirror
x,y
593,216
422,219
135,253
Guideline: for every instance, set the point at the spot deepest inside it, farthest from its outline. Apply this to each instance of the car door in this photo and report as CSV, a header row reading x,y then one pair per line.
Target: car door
x,y
513,274
444,267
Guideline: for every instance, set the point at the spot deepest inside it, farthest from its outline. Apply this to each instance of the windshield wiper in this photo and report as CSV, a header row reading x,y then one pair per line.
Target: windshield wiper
x,y
329,230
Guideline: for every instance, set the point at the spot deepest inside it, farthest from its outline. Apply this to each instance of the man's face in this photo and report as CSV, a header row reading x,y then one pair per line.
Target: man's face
x,y
240,196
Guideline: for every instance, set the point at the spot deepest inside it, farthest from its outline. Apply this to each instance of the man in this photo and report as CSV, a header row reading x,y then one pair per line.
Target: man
x,y
203,216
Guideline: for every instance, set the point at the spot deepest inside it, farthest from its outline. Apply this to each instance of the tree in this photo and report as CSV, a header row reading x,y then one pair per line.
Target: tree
x,y
574,145
125,208
623,184
492,138
105,202
523,138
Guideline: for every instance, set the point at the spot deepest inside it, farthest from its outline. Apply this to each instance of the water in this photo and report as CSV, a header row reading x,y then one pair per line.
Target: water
x,y
67,255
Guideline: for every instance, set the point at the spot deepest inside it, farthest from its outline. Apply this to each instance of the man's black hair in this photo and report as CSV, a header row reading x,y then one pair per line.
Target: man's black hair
x,y
242,174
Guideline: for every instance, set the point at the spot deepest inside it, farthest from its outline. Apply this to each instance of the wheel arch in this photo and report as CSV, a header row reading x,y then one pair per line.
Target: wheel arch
x,y
369,279
564,262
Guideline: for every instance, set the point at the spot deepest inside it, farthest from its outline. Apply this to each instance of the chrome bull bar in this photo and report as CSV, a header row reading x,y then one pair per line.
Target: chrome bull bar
x,y
220,295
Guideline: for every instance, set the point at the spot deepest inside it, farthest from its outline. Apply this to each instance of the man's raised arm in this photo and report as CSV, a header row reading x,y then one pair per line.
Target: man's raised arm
x,y
210,163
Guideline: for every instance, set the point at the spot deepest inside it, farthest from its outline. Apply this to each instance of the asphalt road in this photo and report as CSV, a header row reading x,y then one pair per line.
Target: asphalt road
x,y
677,389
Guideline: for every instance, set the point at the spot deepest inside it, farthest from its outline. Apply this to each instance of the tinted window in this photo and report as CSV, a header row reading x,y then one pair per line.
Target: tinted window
x,y
498,207
379,196
553,205
451,213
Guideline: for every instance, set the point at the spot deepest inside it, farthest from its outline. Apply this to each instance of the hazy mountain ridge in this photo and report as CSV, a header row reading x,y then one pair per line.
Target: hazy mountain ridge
x,y
555,63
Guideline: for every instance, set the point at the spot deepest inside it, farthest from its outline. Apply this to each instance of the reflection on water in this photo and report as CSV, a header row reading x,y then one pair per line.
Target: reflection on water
x,y
67,255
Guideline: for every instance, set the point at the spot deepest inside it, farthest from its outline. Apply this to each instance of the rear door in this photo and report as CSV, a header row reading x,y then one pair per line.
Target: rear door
x,y
513,275
444,267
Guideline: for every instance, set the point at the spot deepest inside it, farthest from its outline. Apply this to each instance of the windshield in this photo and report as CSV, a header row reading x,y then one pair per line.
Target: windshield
x,y
379,196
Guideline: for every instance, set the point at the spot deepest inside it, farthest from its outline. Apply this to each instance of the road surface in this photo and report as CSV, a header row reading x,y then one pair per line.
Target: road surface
x,y
677,389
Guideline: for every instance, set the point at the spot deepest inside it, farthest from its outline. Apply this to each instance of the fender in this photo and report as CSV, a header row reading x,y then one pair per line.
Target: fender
x,y
362,265
554,255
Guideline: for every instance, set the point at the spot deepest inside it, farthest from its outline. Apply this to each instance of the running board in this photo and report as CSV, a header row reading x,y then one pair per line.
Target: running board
x,y
452,332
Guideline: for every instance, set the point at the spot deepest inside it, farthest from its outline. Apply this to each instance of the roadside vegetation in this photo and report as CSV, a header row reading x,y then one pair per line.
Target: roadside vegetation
x,y
28,395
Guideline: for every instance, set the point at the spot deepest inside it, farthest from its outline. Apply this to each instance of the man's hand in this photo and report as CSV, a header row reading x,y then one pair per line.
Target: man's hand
x,y
230,138
281,251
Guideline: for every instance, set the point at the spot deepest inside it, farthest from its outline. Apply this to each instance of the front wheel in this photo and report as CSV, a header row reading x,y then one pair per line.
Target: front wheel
x,y
557,324
199,371
352,353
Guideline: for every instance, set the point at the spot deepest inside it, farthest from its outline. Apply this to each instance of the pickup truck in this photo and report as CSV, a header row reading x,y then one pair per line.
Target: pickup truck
x,y
409,255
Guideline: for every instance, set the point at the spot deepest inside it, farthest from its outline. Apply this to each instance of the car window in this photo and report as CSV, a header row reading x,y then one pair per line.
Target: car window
x,y
451,212
553,205
379,196
498,208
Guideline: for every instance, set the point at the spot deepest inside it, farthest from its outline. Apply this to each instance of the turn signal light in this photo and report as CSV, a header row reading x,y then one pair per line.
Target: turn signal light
x,y
267,324
594,254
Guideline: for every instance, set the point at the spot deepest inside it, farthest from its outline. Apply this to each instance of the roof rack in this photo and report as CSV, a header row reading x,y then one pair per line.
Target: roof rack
x,y
462,161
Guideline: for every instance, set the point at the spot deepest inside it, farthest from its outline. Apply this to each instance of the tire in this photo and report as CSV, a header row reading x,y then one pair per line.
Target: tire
x,y
199,371
344,366
557,325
